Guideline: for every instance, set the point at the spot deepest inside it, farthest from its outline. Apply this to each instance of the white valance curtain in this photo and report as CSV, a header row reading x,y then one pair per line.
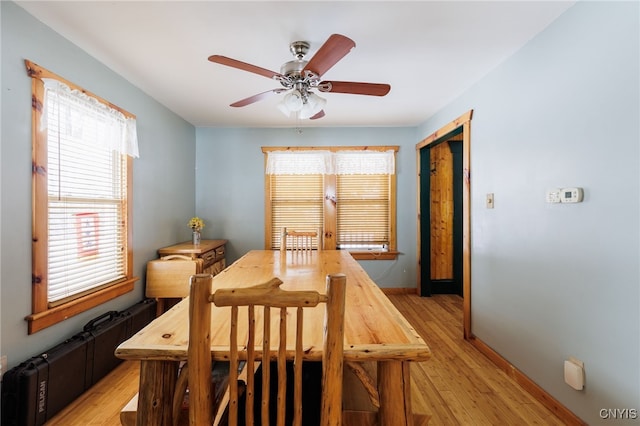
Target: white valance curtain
x,y
299,163
364,163
357,162
85,115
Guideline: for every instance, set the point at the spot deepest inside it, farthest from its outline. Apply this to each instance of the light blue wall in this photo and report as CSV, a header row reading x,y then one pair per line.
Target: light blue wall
x,y
164,177
230,187
551,281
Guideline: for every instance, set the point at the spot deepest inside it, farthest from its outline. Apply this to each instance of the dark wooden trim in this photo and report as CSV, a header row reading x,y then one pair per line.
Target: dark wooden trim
x,y
529,385
423,271
458,210
444,286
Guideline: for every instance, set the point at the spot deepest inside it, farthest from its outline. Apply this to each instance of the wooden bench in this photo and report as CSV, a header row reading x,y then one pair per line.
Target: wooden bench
x,y
360,396
129,413
359,406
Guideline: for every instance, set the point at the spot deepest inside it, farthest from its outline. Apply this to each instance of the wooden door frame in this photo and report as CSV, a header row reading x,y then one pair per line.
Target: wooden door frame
x,y
464,122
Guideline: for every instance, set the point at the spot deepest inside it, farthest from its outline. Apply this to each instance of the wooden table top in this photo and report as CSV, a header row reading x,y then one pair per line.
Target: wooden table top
x,y
374,328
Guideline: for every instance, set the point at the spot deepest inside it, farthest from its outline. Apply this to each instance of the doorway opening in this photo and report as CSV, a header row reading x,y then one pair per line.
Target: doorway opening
x,y
443,194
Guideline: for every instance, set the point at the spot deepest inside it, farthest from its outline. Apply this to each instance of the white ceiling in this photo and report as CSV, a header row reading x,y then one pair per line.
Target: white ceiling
x,y
428,51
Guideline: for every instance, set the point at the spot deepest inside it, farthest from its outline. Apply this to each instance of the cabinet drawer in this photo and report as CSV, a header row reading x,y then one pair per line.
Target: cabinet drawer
x,y
212,256
209,252
209,258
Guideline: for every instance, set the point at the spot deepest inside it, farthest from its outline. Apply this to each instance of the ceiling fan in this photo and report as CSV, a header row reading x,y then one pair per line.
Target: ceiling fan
x,y
300,78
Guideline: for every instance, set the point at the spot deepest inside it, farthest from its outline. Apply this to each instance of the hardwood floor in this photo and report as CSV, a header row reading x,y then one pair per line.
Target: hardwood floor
x,y
458,386
101,405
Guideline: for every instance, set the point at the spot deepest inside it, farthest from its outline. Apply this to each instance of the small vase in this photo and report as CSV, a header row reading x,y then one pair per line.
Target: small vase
x,y
196,238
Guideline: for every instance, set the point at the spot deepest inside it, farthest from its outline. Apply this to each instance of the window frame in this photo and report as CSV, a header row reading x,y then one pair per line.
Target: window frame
x,y
330,209
43,315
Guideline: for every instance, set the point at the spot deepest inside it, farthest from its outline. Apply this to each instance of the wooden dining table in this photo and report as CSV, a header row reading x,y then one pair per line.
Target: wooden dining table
x,y
375,331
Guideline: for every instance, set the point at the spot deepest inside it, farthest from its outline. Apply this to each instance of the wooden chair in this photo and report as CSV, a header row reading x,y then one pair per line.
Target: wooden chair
x,y
301,240
267,295
168,279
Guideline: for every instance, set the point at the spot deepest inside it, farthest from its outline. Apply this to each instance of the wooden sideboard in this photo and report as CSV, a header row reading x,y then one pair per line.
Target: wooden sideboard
x,y
212,252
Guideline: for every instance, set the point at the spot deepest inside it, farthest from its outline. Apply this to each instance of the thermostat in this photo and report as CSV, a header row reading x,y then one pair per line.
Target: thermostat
x,y
571,195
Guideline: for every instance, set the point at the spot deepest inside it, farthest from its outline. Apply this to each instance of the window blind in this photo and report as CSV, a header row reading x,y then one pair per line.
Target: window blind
x,y
86,199
363,211
297,203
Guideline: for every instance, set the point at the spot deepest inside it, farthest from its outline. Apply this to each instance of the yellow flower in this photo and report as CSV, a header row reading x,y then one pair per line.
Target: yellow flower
x,y
196,223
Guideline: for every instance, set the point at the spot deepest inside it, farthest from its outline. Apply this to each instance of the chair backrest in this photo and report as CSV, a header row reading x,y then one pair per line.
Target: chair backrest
x,y
301,240
266,296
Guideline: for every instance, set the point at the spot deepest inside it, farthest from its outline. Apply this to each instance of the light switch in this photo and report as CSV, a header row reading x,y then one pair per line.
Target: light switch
x,y
490,200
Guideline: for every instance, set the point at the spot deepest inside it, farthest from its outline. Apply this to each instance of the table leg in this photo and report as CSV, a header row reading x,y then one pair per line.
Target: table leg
x,y
155,393
394,387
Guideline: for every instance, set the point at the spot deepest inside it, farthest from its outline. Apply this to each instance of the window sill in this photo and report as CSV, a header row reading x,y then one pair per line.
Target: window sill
x,y
42,320
374,255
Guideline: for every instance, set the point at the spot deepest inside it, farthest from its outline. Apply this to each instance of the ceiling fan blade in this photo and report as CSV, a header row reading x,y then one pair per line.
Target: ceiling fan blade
x,y
317,115
371,89
256,98
334,49
234,63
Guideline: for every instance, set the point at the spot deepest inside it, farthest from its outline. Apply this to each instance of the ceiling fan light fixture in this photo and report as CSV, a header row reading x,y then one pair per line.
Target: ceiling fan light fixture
x,y
319,102
293,100
283,108
299,76
314,105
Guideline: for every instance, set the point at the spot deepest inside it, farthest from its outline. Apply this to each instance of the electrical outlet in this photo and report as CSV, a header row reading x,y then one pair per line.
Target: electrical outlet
x,y
3,366
574,373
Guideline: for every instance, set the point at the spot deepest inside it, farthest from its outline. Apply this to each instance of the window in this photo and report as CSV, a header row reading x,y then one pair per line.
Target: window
x,y
296,203
349,192
82,149
363,212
